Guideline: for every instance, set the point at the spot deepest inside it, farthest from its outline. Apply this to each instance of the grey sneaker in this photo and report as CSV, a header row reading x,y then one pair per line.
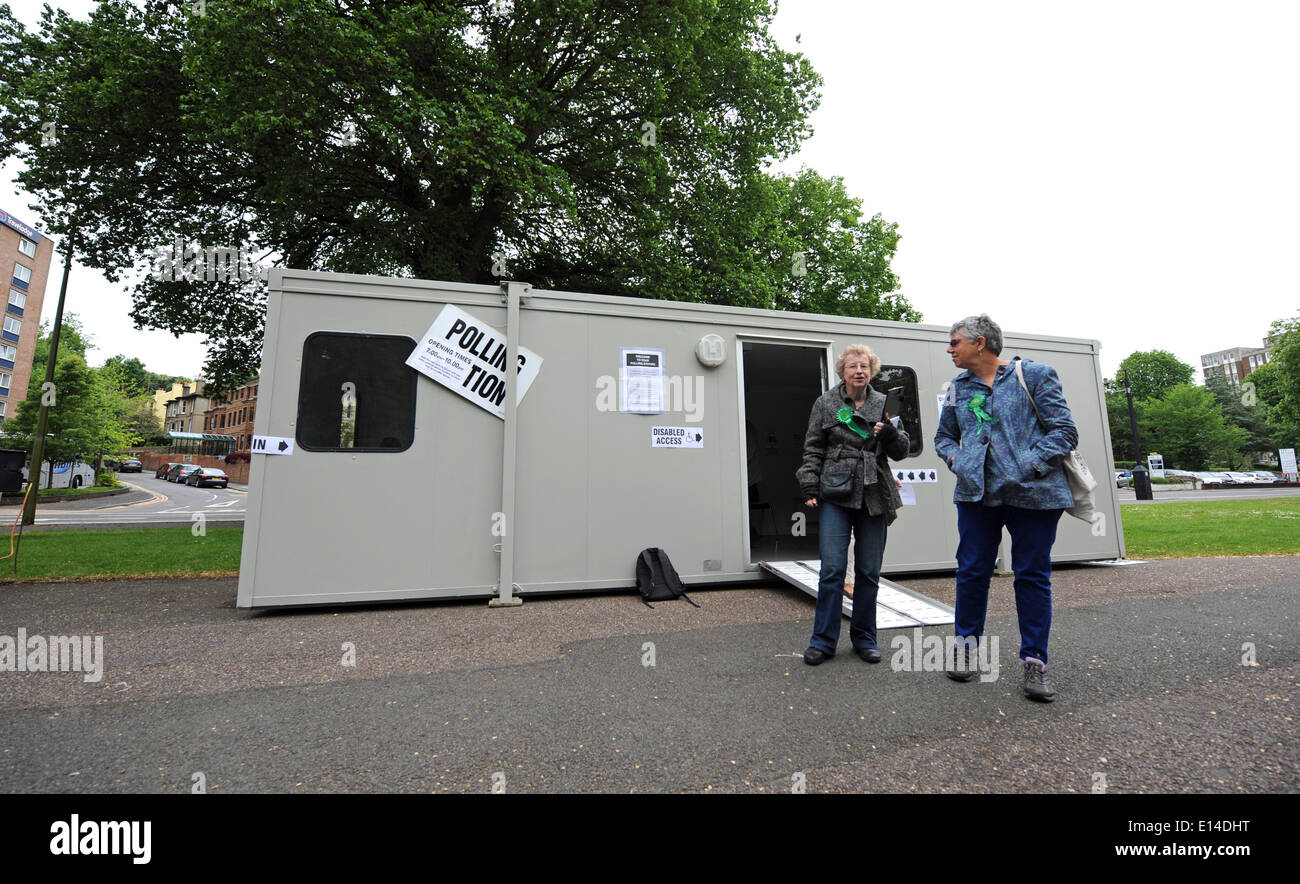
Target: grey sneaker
x,y
1037,687
963,667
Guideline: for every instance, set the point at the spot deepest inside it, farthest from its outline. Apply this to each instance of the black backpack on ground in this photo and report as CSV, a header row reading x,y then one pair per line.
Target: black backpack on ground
x,y
657,579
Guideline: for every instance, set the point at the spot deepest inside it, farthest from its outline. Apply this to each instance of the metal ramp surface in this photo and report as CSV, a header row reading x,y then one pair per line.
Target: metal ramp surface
x,y
896,606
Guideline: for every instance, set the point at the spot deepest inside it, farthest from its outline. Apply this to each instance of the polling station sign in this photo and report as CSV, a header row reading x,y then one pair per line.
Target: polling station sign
x,y
468,357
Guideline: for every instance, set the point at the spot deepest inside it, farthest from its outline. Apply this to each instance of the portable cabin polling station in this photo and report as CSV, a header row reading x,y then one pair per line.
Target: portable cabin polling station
x,y
389,463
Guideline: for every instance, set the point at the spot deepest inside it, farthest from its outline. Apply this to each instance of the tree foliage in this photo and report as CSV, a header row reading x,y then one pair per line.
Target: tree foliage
x,y
1277,384
611,146
90,409
1152,373
1240,408
1186,426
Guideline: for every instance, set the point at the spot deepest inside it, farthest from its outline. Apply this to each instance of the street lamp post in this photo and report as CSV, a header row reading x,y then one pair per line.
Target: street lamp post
x,y
1141,478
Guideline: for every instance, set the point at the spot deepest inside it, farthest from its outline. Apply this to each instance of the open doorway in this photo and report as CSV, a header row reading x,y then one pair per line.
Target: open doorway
x,y
781,383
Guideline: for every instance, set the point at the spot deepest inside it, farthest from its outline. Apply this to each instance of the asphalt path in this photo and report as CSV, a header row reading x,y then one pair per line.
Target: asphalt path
x,y
1172,676
1128,495
150,501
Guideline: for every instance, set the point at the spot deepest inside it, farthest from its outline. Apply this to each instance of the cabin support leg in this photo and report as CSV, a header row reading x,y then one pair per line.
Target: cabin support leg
x,y
505,597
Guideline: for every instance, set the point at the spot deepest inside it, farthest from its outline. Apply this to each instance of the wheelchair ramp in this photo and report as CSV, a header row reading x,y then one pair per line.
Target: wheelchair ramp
x,y
896,606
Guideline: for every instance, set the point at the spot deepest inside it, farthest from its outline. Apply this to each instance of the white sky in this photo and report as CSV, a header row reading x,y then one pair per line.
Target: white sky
x,y
1125,171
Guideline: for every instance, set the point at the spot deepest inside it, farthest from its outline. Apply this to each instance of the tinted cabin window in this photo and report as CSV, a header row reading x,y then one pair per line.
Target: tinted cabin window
x,y
357,393
899,384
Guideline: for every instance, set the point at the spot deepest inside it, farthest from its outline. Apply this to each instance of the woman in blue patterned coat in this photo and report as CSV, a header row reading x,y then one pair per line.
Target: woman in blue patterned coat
x,y
1008,465
846,476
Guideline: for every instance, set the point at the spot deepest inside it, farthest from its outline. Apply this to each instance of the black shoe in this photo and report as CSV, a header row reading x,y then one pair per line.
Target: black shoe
x,y
1036,685
962,667
816,656
871,655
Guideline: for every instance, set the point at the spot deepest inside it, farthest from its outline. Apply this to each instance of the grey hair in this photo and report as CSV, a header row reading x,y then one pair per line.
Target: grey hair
x,y
975,327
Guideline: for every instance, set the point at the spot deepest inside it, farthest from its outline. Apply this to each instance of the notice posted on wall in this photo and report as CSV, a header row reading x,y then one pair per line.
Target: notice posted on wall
x,y
676,437
1287,458
468,357
641,380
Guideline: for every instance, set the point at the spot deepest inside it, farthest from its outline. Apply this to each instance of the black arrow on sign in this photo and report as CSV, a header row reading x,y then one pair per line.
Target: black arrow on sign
x,y
283,445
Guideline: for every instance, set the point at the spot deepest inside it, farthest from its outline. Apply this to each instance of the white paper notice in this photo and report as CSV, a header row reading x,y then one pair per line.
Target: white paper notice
x,y
641,380
271,445
908,493
1287,458
468,357
676,437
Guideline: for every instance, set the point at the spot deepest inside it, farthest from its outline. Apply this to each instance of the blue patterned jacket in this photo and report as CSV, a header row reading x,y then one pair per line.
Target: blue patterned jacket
x,y
1016,461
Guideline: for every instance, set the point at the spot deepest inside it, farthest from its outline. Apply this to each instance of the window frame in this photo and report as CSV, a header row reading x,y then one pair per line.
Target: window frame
x,y
912,392
302,378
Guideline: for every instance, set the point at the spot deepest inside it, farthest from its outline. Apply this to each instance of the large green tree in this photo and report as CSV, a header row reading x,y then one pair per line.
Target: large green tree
x,y
1186,426
613,146
1241,408
1152,373
1277,384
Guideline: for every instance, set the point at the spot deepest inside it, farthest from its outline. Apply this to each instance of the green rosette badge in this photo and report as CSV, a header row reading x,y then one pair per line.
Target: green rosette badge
x,y
845,416
982,417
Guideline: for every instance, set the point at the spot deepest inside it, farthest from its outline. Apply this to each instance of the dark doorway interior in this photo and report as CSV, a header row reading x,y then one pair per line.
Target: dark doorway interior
x,y
781,384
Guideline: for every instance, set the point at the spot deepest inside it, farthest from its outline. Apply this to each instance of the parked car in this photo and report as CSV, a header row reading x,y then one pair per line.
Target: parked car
x,y
207,476
181,471
1269,477
1242,479
161,472
1123,478
112,462
130,465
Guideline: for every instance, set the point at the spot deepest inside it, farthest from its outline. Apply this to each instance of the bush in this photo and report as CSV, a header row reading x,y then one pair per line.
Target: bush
x,y
238,457
107,480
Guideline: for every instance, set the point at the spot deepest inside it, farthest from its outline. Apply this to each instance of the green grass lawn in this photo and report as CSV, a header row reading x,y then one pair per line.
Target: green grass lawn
x,y
1212,528
130,552
1151,531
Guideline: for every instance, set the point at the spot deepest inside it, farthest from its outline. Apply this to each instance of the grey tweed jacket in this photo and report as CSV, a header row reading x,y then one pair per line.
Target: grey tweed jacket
x,y
829,442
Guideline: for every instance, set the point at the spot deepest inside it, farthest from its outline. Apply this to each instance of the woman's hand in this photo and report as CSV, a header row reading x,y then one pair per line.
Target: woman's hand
x,y
812,502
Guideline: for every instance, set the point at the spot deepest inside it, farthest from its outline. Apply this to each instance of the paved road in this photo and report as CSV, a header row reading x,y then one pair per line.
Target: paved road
x,y
555,696
150,502
1128,495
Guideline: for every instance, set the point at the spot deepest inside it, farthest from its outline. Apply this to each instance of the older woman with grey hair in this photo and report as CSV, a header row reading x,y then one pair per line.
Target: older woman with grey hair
x,y
1004,430
846,476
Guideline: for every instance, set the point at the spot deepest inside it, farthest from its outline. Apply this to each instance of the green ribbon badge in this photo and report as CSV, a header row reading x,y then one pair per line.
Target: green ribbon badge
x,y
982,417
845,416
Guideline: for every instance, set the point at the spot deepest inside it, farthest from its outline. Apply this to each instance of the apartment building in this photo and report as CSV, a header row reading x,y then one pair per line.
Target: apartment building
x,y
186,412
233,415
1235,363
25,257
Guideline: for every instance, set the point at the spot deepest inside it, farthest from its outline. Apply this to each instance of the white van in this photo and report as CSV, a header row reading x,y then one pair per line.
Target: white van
x,y
66,475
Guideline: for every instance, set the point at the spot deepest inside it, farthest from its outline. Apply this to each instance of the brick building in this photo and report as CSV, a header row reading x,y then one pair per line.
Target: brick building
x,y
233,415
1235,363
25,257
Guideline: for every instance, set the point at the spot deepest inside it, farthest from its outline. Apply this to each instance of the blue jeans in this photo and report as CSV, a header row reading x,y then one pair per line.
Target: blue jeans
x,y
868,551
1032,534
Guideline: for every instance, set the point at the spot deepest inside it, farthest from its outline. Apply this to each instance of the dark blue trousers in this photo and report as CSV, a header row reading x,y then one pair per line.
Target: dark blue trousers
x,y
837,523
1032,534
